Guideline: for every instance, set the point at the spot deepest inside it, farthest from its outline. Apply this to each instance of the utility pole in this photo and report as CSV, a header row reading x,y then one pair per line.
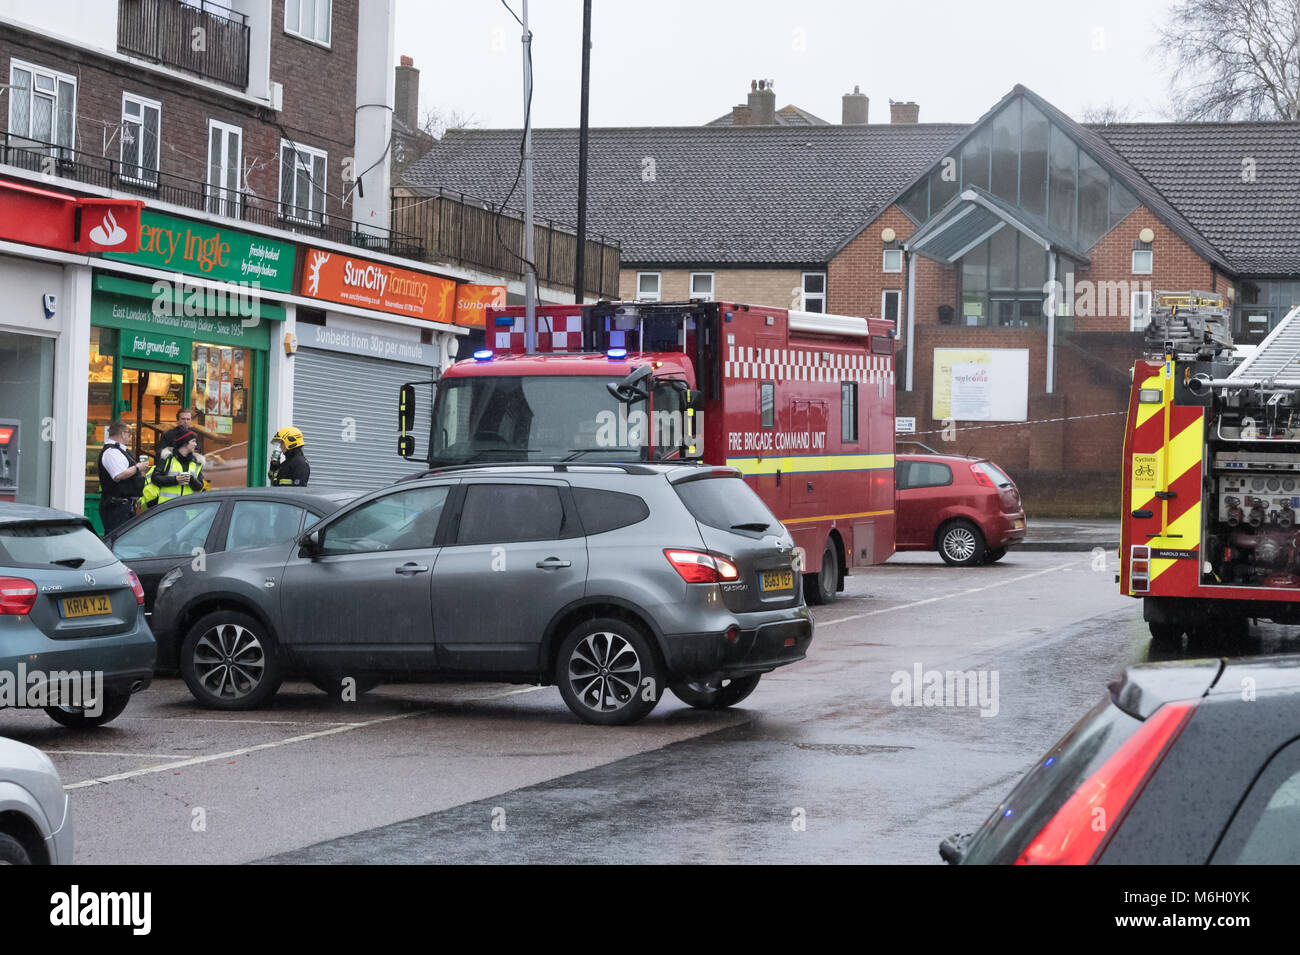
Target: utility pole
x,y
579,279
530,270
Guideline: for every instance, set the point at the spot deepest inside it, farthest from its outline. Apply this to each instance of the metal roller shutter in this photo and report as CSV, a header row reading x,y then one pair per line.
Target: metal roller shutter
x,y
329,387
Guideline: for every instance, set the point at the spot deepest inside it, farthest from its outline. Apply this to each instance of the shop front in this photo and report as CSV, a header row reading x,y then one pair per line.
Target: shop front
x,y
147,365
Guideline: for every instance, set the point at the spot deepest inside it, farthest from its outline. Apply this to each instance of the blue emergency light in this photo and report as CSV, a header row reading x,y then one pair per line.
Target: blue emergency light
x,y
616,354
483,354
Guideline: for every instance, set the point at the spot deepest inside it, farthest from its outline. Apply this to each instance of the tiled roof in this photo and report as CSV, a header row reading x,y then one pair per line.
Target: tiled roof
x,y
1237,183
785,116
701,195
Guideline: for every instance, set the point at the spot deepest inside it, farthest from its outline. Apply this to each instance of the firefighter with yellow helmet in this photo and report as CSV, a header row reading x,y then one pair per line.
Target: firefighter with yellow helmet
x,y
289,467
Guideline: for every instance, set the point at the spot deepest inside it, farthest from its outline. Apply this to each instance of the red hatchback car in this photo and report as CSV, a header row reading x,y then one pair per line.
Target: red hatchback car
x,y
967,509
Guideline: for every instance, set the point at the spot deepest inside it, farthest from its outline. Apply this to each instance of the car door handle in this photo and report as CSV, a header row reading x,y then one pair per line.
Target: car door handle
x,y
411,568
553,562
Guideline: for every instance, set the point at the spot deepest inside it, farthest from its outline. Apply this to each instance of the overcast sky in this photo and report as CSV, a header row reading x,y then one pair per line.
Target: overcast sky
x,y
684,62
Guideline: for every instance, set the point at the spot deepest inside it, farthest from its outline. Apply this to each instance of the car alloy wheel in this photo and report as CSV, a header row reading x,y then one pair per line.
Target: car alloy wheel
x,y
961,544
229,661
604,671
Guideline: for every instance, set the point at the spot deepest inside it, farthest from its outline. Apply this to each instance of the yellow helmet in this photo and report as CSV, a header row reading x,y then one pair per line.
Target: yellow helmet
x,y
290,437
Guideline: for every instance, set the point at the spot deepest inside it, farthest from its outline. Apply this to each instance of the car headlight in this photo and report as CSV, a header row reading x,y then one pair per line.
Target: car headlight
x,y
169,578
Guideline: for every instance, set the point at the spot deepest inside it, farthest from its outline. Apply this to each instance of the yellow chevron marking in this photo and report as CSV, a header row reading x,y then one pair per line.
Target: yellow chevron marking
x,y
1146,412
1189,526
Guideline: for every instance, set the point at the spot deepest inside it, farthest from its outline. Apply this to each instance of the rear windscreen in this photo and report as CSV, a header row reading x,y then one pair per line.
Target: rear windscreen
x,y
1049,783
52,545
995,474
727,503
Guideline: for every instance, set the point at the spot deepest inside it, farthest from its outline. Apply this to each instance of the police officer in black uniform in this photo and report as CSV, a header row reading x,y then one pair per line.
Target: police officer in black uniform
x,y
121,478
289,467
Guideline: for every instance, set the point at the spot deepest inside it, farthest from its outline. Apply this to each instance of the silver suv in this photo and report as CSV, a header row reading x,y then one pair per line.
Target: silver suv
x,y
610,581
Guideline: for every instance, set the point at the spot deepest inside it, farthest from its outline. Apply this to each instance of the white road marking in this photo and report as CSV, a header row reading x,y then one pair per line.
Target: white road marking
x,y
930,600
302,738
96,752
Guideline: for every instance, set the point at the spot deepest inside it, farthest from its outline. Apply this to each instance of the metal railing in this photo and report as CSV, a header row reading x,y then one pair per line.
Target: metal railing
x,y
466,230
107,173
199,37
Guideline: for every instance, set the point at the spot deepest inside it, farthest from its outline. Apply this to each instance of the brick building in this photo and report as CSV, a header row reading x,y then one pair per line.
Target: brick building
x,y
1024,247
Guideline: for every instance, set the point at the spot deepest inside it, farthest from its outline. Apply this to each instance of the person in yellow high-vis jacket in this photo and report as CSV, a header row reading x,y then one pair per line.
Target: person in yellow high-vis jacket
x,y
178,474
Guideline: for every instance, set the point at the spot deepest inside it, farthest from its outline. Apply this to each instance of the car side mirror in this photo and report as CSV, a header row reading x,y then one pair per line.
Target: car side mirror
x,y
310,544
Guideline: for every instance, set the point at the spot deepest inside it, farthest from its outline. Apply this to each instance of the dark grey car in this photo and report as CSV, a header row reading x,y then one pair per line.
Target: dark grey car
x,y
611,581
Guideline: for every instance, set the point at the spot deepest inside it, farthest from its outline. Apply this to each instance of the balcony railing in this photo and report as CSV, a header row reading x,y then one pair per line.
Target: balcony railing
x,y
151,185
465,230
199,37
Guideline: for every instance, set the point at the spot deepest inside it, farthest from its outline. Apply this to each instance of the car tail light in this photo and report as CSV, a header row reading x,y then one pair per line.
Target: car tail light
x,y
982,479
1139,568
17,595
697,567
1080,828
135,586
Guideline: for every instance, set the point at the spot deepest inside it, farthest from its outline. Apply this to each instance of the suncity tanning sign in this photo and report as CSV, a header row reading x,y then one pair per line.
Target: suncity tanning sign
x,y
335,277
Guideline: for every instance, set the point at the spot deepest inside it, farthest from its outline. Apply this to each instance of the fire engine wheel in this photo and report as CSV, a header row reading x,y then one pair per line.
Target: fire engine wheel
x,y
961,544
1166,635
820,588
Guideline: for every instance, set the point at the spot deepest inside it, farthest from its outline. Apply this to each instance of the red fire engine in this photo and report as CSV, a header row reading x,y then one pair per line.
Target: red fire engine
x,y
801,403
1212,476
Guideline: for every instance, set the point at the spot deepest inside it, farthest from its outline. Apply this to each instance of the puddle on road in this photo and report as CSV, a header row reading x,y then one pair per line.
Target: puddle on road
x,y
852,749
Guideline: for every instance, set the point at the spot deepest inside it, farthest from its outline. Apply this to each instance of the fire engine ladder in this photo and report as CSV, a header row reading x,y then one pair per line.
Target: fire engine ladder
x,y
1276,363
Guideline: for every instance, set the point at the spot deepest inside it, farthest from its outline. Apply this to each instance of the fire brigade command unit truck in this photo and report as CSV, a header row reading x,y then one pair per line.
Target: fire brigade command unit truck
x,y
1212,474
802,404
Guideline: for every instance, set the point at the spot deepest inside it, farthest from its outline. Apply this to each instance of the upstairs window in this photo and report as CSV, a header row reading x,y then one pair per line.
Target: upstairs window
x,y
309,19
702,285
42,104
647,286
141,119
893,261
814,291
302,183
1143,258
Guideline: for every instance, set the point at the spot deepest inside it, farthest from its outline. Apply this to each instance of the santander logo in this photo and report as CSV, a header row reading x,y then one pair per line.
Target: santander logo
x,y
108,232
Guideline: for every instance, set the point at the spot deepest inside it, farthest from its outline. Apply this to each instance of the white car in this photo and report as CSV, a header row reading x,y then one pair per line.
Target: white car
x,y
35,824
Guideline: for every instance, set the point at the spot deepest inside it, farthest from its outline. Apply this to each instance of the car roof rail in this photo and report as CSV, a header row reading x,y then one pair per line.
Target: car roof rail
x,y
557,466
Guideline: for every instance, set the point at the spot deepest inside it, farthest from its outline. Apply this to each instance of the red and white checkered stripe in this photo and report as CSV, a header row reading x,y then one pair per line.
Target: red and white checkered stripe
x,y
745,362
554,334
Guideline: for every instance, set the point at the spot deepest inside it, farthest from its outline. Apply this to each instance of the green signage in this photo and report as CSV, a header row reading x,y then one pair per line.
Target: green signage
x,y
136,315
158,347
211,251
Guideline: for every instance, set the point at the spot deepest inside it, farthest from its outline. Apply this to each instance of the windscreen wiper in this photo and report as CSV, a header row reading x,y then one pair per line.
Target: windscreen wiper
x,y
751,526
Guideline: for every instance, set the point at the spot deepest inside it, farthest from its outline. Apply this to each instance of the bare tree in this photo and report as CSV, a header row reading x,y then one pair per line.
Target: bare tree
x,y
1234,59
437,120
1107,114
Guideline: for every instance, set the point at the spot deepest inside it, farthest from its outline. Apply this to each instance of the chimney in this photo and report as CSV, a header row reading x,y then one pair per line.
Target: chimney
x,y
855,108
762,103
406,93
904,113
740,116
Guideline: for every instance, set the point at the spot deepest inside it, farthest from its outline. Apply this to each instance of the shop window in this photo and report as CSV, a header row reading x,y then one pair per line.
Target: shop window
x,y
302,182
99,400
647,286
222,379
309,19
141,120
42,104
814,292
26,417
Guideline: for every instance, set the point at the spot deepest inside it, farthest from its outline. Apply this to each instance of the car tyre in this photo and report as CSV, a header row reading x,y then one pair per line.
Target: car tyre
x,y
331,684
229,661
728,692
602,668
13,852
994,554
961,544
820,588
74,717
